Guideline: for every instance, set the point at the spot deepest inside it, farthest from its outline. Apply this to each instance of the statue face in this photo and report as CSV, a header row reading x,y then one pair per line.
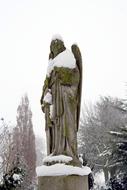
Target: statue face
x,y
56,47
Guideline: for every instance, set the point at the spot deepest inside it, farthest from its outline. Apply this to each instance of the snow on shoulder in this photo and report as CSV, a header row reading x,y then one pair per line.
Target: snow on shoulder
x,y
65,59
62,169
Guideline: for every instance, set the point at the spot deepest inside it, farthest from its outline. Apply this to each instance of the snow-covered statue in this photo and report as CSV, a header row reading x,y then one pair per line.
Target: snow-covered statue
x,y
61,99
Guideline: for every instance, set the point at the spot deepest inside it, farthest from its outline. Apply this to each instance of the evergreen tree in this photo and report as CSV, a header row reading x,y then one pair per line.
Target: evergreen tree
x,y
118,160
11,174
13,179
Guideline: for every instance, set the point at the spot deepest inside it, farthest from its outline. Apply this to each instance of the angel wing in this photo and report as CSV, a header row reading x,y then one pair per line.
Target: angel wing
x,y
77,54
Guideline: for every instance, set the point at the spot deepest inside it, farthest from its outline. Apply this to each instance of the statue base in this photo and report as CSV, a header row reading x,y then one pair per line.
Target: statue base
x,y
69,182
62,177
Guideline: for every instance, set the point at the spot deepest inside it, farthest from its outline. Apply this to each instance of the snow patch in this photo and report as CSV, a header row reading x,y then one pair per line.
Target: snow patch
x,y
115,133
1,159
60,158
75,43
81,160
105,153
48,98
65,59
50,67
57,37
51,111
62,169
99,180
16,177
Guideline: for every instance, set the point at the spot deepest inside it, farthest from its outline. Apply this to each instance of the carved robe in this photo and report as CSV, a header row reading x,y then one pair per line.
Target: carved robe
x,y
61,129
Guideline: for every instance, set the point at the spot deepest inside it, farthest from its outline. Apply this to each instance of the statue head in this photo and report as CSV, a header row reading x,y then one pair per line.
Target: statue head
x,y
56,47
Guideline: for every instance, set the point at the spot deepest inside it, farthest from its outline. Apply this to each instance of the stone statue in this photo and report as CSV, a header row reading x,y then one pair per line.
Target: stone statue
x,y
61,98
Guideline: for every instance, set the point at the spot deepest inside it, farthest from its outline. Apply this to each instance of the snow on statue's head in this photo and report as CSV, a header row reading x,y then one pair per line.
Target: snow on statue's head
x,y
56,46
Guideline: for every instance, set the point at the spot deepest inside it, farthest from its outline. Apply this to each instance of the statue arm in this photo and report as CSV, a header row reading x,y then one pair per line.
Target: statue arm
x,y
45,86
44,91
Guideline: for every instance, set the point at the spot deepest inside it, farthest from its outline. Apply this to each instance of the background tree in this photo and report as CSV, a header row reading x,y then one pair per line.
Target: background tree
x,y
6,147
95,141
24,143
118,160
11,174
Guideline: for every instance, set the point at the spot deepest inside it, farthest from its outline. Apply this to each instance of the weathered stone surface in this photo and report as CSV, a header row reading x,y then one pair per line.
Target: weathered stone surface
x,y
72,182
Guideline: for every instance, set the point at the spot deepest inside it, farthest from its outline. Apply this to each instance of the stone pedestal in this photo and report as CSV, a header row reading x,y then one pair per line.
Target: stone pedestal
x,y
70,182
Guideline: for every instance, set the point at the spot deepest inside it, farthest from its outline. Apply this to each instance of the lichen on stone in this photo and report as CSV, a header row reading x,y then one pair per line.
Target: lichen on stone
x,y
66,75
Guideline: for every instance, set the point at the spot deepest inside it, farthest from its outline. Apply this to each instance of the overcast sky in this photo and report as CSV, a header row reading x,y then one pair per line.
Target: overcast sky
x,y
26,28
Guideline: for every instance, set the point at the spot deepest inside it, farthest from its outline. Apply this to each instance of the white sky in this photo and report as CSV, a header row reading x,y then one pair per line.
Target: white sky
x,y
26,27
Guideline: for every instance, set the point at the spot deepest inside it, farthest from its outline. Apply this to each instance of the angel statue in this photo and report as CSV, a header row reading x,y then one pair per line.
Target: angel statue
x,y
61,99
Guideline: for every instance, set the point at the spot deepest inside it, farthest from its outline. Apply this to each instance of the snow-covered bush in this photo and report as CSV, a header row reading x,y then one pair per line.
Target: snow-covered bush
x,y
12,179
